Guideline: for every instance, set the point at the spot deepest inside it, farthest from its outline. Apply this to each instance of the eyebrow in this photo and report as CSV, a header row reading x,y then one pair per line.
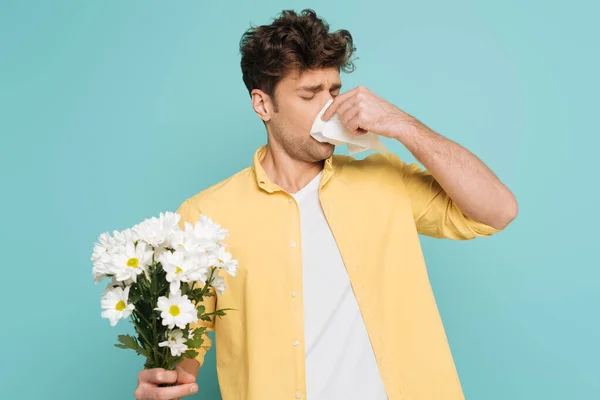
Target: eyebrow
x,y
316,88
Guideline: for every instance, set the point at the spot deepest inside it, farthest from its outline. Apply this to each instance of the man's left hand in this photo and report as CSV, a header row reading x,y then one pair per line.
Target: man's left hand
x,y
362,111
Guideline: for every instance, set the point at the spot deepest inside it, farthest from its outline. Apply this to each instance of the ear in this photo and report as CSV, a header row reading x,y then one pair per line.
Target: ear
x,y
262,104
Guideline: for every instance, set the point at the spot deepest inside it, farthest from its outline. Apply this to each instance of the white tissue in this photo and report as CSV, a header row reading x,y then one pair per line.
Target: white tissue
x,y
332,131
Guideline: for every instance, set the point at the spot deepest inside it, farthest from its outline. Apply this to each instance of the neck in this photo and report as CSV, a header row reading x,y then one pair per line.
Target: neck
x,y
286,172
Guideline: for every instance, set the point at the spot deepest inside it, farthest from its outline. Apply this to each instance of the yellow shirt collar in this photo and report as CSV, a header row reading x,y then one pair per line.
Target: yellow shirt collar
x,y
263,181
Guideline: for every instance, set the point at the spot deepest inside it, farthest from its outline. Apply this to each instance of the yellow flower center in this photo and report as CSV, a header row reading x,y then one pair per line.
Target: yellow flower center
x,y
133,262
178,270
173,339
120,306
174,310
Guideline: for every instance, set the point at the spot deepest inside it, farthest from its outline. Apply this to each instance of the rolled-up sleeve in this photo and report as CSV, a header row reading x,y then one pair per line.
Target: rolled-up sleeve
x,y
435,213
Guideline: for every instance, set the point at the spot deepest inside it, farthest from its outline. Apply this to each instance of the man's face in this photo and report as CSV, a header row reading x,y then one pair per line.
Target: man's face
x,y
299,99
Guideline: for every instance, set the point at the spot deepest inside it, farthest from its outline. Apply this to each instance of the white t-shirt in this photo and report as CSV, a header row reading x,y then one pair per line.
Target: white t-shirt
x,y
340,363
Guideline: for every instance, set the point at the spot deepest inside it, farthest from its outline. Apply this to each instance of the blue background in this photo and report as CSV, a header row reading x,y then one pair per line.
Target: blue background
x,y
112,111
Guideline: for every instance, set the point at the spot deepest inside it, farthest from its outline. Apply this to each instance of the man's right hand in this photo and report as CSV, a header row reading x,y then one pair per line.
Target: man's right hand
x,y
149,379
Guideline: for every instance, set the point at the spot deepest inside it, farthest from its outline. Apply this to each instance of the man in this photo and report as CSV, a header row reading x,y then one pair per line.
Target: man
x,y
332,298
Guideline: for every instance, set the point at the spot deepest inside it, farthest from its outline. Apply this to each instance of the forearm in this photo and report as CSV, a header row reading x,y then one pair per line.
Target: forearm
x,y
474,188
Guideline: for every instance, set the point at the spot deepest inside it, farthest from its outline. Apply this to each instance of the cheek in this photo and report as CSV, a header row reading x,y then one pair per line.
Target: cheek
x,y
304,121
301,117
307,115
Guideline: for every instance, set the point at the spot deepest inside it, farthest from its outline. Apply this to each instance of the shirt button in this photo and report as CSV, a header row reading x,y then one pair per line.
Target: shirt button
x,y
293,244
296,343
290,200
294,294
298,395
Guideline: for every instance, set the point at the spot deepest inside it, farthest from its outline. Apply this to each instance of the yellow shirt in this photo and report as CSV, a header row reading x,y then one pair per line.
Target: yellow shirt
x,y
376,207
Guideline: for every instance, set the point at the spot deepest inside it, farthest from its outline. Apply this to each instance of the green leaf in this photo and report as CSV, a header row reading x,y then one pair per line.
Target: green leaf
x,y
172,362
191,353
198,332
128,342
145,352
196,342
134,298
220,312
197,339
196,295
201,310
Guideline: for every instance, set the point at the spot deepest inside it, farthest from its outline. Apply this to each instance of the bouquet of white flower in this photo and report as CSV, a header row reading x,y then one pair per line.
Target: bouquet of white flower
x,y
153,269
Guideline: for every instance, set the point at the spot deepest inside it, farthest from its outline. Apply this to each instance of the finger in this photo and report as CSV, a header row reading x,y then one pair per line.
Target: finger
x,y
173,392
348,109
349,115
354,125
343,98
158,375
337,102
185,377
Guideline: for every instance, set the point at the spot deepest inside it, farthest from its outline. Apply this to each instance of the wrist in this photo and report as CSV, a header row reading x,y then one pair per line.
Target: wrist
x,y
405,130
190,365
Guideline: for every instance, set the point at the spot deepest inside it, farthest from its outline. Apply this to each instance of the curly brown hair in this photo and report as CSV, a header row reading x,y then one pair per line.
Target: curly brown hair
x,y
292,42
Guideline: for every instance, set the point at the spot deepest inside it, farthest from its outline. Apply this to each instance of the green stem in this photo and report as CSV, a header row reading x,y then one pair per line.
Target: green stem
x,y
207,283
140,314
153,325
140,330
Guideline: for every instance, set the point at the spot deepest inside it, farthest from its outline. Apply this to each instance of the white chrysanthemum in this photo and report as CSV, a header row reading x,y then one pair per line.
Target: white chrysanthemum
x,y
159,251
208,233
114,303
225,260
170,221
123,237
211,257
181,268
130,261
114,283
155,231
100,271
219,284
105,244
217,231
176,310
101,257
185,240
202,263
176,342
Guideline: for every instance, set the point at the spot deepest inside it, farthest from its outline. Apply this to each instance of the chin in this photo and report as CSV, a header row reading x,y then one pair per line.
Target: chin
x,y
317,151
325,151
